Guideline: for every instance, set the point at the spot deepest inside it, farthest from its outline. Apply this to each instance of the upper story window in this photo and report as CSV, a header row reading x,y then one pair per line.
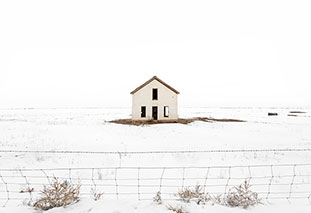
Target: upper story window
x,y
154,94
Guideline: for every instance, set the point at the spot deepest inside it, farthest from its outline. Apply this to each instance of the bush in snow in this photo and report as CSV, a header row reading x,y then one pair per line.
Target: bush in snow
x,y
95,194
177,209
196,194
26,189
157,198
58,194
242,196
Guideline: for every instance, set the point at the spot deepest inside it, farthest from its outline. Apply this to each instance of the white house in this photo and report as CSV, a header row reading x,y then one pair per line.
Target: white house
x,y
154,100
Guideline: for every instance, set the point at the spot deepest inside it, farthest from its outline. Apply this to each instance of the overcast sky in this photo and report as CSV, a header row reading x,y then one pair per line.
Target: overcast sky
x,y
94,53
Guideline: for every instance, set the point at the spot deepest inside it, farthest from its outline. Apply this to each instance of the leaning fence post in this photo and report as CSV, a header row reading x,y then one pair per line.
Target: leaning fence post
x,y
249,175
47,177
229,177
183,177
206,177
292,183
270,183
7,190
116,182
138,183
29,190
161,179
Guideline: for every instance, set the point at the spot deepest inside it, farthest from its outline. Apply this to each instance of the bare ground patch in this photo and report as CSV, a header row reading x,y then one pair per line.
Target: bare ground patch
x,y
179,121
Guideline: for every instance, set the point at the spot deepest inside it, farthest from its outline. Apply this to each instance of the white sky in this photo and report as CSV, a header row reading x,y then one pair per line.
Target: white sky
x,y
216,53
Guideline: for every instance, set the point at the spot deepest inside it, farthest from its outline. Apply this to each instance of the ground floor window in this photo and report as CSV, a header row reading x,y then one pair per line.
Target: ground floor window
x,y
143,111
166,111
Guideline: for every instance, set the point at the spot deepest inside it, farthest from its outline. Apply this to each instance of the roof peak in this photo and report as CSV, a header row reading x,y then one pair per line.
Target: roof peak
x,y
154,78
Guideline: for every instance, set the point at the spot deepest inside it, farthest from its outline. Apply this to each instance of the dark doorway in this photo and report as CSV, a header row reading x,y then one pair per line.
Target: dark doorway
x,y
143,112
155,113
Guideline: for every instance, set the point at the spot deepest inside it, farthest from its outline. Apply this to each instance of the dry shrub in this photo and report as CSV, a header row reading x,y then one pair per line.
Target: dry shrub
x,y
58,194
96,195
217,199
157,198
99,174
177,209
242,196
26,189
196,194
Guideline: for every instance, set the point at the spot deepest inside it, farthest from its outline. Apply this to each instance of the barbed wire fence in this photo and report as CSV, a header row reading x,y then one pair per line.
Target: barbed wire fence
x,y
272,182
157,152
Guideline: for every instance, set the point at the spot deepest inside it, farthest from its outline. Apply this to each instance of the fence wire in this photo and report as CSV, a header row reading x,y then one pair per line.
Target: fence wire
x,y
271,182
156,152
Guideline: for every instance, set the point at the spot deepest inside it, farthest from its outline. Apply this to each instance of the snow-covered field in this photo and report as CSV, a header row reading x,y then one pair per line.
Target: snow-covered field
x,y
86,129
121,206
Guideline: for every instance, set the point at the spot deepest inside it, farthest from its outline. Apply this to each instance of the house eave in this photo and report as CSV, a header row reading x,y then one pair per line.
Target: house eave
x,y
149,81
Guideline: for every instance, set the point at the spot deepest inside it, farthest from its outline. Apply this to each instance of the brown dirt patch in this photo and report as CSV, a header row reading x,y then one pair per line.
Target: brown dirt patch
x,y
179,121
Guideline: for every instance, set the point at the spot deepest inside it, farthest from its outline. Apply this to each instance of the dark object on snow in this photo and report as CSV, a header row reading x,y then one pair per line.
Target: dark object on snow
x,y
292,115
296,112
272,114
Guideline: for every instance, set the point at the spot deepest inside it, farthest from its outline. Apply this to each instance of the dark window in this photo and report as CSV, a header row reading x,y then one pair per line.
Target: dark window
x,y
166,111
143,111
154,94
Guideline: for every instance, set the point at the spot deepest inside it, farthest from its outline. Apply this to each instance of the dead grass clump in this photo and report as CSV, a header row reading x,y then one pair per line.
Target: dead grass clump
x,y
100,174
239,196
196,195
26,189
58,194
177,209
242,196
96,195
217,199
157,198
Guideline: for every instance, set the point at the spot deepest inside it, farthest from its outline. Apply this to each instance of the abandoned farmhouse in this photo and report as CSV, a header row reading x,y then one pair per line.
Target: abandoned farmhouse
x,y
154,100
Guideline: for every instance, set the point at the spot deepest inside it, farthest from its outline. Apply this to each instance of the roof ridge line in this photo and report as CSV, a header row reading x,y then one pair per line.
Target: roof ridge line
x,y
150,80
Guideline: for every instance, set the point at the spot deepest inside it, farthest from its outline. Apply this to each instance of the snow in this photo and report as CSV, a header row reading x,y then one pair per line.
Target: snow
x,y
131,206
86,129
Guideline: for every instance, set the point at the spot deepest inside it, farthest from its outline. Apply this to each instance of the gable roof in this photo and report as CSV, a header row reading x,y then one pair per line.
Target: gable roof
x,y
151,79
